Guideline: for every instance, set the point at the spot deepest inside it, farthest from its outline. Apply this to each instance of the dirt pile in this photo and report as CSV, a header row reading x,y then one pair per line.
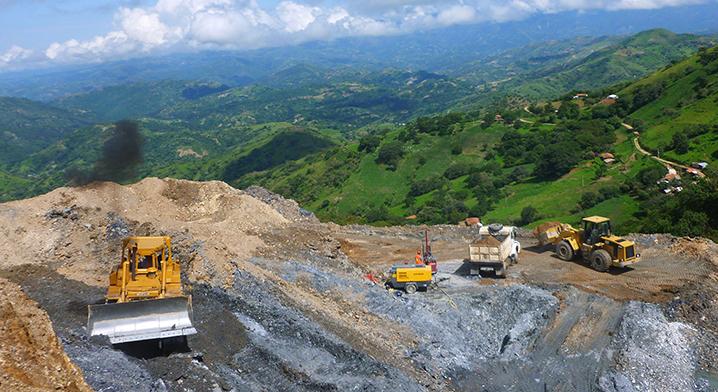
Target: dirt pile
x,y
31,358
281,303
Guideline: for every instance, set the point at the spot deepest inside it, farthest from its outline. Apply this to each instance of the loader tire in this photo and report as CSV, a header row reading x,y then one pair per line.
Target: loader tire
x,y
600,260
410,288
564,251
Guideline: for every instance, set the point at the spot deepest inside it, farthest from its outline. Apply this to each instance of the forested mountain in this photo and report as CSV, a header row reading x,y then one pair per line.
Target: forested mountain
x,y
438,51
28,126
381,146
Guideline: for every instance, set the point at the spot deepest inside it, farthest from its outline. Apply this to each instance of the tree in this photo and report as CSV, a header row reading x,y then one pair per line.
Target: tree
x,y
528,214
588,200
390,154
568,109
369,143
648,176
679,143
600,168
556,160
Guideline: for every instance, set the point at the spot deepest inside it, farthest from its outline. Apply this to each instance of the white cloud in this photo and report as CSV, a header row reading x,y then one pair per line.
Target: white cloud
x,y
15,54
101,47
296,17
145,27
244,24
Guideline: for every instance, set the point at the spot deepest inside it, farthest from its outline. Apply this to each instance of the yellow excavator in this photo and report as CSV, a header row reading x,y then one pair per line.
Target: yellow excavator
x,y
594,241
144,299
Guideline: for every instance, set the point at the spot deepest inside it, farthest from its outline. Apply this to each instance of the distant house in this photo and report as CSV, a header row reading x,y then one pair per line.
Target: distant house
x,y
670,177
700,165
613,97
499,118
608,102
580,96
693,171
472,221
606,155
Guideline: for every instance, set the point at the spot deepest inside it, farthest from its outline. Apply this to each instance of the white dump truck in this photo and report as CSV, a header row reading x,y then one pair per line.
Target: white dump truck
x,y
494,250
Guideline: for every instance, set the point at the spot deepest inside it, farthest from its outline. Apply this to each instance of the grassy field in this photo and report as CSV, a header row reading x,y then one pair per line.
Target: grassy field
x,y
682,107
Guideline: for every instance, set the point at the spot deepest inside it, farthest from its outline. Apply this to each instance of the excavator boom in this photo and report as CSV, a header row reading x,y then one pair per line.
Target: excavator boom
x,y
142,320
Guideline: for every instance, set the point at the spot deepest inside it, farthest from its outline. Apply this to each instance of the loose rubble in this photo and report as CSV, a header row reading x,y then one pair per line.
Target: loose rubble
x,y
282,302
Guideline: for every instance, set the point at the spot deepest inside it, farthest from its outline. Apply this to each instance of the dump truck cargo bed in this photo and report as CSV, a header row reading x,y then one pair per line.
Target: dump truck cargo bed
x,y
142,320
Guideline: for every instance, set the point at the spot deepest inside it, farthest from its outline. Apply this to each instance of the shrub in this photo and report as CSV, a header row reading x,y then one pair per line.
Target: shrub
x,y
588,200
679,143
369,143
457,170
528,214
390,154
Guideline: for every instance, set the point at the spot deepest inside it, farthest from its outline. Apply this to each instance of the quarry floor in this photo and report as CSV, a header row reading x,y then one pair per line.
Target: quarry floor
x,y
281,302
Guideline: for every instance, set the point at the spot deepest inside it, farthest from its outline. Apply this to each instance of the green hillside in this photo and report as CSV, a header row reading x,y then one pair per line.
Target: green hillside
x,y
527,168
27,126
136,99
677,111
547,71
369,147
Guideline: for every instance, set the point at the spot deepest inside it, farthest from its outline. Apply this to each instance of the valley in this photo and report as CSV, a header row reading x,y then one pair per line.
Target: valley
x,y
317,136
227,195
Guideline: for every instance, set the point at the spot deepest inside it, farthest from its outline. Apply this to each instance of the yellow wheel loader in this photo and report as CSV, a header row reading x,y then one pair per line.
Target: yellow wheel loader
x,y
594,242
144,299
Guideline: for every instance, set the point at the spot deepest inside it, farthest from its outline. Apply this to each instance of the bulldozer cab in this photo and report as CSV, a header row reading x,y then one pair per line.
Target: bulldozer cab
x,y
146,254
595,228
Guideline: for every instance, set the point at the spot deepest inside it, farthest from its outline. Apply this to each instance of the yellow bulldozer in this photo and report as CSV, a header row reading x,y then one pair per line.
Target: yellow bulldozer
x,y
594,242
144,299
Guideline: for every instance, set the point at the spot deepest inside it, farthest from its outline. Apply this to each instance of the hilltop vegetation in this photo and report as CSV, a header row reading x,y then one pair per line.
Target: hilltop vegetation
x,y
525,168
362,146
676,109
546,71
27,126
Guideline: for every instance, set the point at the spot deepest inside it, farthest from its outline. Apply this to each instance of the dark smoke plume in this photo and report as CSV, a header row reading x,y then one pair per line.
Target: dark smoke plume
x,y
121,154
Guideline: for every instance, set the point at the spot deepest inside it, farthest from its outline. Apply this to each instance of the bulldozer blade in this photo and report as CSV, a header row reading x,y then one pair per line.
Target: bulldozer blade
x,y
141,320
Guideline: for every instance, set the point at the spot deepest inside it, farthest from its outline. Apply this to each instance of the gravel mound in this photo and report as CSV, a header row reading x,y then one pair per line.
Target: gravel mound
x,y
652,354
289,209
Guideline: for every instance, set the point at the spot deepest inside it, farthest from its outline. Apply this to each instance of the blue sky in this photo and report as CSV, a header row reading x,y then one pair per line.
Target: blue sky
x,y
40,32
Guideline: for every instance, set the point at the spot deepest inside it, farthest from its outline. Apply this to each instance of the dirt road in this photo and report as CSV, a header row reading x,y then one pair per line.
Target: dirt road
x,y
656,278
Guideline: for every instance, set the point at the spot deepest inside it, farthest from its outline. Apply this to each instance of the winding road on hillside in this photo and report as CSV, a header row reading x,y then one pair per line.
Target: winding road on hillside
x,y
640,149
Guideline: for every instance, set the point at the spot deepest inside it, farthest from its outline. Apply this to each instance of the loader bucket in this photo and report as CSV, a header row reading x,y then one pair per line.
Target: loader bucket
x,y
141,320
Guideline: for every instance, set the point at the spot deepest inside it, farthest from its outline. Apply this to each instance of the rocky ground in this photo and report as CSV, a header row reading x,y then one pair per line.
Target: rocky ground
x,y
282,302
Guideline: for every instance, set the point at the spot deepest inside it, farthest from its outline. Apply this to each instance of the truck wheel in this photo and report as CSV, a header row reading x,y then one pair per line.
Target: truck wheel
x,y
410,288
600,260
564,251
500,272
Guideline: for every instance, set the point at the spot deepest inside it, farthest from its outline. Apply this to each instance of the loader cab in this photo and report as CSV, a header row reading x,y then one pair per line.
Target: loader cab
x,y
594,228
